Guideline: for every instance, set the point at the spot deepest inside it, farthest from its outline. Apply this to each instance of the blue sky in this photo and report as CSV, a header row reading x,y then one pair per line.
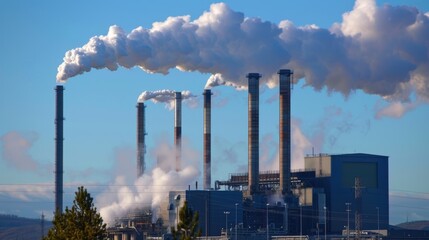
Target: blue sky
x,y
100,106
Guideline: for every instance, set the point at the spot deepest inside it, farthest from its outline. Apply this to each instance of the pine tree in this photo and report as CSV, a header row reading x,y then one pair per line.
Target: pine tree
x,y
187,228
81,222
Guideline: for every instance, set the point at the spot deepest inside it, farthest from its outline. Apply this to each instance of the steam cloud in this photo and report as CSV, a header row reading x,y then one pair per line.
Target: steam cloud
x,y
149,190
126,194
377,49
164,96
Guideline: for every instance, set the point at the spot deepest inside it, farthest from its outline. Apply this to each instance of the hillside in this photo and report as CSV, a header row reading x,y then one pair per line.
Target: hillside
x,y
14,227
416,225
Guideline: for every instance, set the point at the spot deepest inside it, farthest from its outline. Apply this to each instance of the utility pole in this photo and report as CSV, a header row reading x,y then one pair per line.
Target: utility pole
x,y
300,221
226,223
267,222
378,222
42,223
348,220
206,219
326,220
358,200
236,205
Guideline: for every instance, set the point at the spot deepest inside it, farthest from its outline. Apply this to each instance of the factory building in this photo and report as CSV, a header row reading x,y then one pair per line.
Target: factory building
x,y
333,194
324,196
218,210
355,188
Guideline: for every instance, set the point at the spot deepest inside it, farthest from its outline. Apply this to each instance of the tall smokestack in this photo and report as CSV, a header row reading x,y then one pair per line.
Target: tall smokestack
x,y
59,138
284,125
141,132
253,131
207,138
178,128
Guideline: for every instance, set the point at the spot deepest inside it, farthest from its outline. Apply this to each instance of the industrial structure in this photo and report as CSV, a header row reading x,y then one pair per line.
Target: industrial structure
x,y
278,203
141,132
253,132
327,186
59,138
340,196
178,129
284,130
207,138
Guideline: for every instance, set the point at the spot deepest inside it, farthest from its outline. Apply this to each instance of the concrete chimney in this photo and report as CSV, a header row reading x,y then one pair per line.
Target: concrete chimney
x,y
59,138
253,132
178,129
141,132
285,135
207,138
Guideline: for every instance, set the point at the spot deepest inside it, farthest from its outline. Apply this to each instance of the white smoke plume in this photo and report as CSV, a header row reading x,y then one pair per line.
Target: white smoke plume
x,y
149,190
165,96
126,194
381,50
217,80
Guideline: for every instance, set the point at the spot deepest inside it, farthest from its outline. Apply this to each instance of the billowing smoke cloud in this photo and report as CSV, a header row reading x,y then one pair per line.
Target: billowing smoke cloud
x,y
149,190
125,195
16,150
166,96
217,80
381,50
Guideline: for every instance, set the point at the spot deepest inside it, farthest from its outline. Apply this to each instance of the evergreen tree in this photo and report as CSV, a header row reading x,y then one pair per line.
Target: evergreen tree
x,y
81,222
187,228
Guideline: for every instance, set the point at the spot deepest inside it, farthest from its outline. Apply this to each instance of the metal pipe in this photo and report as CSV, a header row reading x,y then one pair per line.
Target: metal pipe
x,y
285,126
348,220
253,132
326,221
226,223
268,230
378,222
141,147
207,138
300,221
59,138
236,226
178,129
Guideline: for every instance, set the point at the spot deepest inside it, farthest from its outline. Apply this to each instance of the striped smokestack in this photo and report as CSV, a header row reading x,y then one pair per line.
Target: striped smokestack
x,y
284,125
59,138
178,128
253,131
141,132
207,138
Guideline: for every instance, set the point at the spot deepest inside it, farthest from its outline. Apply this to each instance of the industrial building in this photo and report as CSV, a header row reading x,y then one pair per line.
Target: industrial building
x,y
332,194
341,194
326,195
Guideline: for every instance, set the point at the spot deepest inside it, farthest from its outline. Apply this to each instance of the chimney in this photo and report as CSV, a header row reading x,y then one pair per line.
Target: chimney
x,y
178,128
59,119
207,138
141,132
253,131
284,125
